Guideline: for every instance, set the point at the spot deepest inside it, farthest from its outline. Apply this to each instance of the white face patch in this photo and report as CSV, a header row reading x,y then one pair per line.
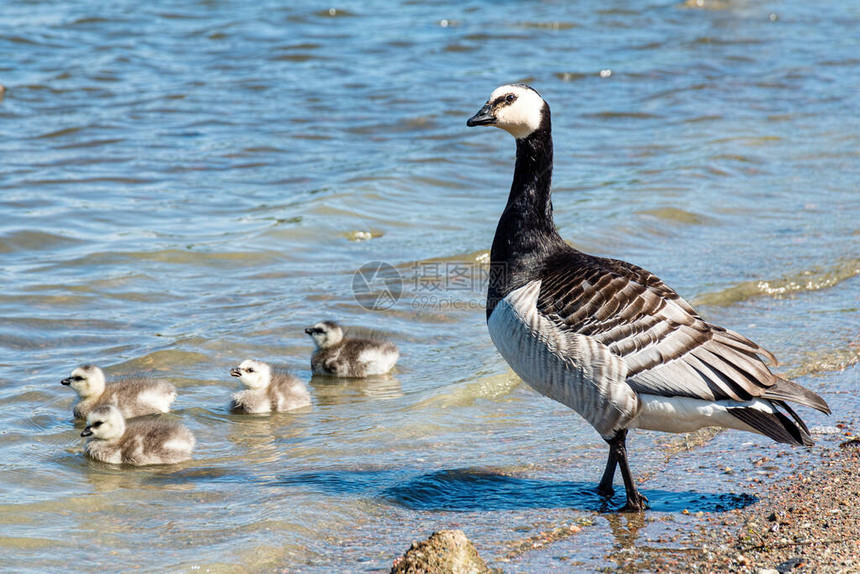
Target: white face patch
x,y
106,423
88,381
326,335
254,374
519,117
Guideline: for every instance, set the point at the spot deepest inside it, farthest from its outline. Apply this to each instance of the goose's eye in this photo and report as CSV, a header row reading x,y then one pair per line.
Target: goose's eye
x,y
510,98
97,424
78,378
249,370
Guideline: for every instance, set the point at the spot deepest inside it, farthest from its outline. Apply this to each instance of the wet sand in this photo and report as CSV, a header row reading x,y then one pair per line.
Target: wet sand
x,y
809,522
806,521
802,518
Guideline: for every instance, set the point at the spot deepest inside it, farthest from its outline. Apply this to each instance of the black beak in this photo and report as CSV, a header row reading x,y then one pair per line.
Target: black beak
x,y
309,331
87,431
66,382
235,372
484,117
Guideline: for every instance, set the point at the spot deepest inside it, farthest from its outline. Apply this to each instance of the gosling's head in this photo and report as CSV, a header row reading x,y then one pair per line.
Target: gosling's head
x,y
516,108
87,380
325,334
105,423
253,374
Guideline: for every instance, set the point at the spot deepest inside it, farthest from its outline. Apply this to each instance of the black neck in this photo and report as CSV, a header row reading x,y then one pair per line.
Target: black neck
x,y
526,232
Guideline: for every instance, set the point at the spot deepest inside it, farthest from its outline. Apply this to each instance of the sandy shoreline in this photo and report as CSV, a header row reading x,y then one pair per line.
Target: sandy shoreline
x,y
808,522
804,518
803,513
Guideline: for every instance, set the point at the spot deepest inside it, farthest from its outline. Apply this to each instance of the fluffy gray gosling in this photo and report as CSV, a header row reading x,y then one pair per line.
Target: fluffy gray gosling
x,y
341,356
137,442
135,396
267,389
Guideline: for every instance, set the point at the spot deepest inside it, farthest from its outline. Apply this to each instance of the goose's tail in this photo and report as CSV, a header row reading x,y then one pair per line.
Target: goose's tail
x,y
783,424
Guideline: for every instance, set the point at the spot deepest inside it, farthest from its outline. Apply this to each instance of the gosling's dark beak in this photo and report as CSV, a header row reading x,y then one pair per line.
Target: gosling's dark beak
x,y
87,431
309,330
235,372
484,117
66,382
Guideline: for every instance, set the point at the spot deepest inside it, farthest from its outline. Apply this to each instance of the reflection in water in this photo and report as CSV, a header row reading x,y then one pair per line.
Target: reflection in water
x,y
625,530
625,527
261,437
337,391
106,478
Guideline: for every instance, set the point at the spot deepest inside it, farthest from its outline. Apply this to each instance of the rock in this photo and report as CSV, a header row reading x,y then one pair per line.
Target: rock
x,y
791,564
766,571
445,552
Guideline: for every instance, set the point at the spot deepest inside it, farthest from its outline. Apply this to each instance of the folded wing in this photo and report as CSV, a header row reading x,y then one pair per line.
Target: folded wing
x,y
668,348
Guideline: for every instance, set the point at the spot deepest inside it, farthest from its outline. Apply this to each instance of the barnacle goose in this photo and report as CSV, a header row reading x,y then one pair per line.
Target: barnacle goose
x,y
341,356
138,442
607,338
267,389
135,395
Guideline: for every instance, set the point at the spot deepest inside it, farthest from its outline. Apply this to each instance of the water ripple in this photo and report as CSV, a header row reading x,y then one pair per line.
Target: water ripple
x,y
184,186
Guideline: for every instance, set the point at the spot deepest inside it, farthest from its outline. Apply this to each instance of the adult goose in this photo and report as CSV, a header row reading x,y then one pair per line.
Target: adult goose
x,y
607,338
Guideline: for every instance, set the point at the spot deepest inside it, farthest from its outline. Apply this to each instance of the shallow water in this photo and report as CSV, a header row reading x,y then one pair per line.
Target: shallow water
x,y
186,187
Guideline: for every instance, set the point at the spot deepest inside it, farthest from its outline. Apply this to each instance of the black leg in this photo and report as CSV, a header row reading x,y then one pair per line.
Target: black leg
x,y
618,450
605,486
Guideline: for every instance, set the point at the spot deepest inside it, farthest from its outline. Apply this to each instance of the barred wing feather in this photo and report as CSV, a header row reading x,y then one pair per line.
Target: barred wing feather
x,y
668,348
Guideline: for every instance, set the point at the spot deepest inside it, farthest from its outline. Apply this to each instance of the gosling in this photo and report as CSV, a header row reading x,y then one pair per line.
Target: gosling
x,y
138,442
267,389
349,356
134,396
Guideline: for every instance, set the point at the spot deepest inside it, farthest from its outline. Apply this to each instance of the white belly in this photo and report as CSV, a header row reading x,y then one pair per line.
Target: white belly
x,y
685,414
